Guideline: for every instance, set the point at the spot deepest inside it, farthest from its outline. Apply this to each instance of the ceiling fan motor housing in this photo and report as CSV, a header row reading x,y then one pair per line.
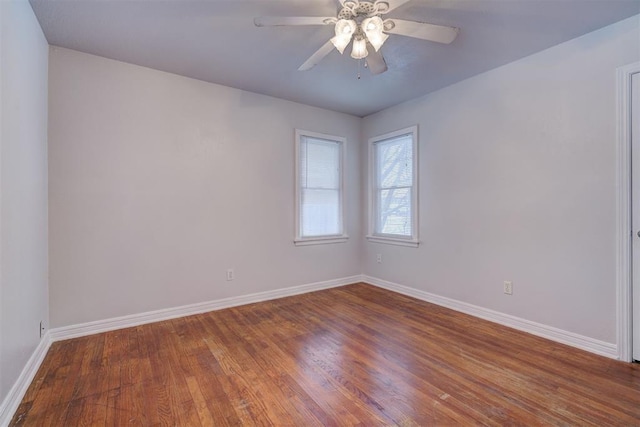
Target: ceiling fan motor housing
x,y
360,9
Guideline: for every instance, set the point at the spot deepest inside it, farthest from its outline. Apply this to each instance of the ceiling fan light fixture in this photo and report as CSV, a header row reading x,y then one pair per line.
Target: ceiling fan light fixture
x,y
372,24
378,40
344,31
373,27
345,27
341,43
359,50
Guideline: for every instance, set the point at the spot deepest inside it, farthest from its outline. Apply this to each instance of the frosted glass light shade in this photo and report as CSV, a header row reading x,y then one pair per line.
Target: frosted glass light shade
x,y
359,50
344,30
341,42
377,40
345,27
373,24
373,27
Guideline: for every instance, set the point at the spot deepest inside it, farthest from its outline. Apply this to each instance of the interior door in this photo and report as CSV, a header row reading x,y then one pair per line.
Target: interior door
x,y
635,197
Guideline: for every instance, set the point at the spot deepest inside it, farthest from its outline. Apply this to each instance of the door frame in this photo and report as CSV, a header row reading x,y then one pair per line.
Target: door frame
x,y
624,263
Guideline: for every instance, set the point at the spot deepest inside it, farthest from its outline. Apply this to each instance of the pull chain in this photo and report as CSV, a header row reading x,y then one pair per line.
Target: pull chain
x,y
366,65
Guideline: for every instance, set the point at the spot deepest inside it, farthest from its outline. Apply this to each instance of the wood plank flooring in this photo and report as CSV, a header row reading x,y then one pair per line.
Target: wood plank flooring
x,y
350,356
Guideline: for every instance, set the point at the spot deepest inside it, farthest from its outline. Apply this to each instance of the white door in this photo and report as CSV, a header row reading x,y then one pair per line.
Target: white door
x,y
635,200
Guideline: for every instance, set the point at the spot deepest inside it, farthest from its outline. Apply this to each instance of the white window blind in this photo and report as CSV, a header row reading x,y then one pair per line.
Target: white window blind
x,y
394,192
319,201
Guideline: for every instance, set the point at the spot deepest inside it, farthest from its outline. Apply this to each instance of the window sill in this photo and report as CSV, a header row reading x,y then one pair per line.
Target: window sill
x,y
320,240
394,241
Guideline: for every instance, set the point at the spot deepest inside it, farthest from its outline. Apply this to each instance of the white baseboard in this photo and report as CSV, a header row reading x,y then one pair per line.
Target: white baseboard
x,y
17,392
565,337
569,338
12,400
90,328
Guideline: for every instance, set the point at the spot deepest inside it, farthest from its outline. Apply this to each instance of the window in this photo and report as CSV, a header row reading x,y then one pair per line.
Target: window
x,y
393,186
319,188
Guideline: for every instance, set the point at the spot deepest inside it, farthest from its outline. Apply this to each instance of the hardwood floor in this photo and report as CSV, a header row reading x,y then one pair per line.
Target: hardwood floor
x,y
355,355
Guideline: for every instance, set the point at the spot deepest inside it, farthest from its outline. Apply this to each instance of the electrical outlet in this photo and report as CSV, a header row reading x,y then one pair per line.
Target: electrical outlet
x,y
379,258
41,329
230,274
508,287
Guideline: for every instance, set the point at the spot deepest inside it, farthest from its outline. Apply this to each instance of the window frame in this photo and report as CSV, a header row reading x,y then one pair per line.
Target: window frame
x,y
341,237
393,239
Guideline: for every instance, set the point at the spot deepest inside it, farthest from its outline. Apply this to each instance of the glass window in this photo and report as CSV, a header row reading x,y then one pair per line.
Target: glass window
x,y
393,183
319,188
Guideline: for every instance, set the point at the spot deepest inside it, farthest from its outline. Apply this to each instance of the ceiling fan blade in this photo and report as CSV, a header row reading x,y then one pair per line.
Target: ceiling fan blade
x,y
317,56
276,21
376,62
421,30
393,4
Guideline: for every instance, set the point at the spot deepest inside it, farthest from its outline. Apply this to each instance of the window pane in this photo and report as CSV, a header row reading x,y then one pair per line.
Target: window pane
x,y
394,162
320,212
394,213
393,183
319,188
319,163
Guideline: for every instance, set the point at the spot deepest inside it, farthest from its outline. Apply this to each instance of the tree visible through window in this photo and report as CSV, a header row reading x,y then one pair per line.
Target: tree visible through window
x,y
394,185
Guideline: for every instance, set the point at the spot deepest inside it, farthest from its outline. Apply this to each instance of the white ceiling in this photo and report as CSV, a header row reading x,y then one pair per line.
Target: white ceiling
x,y
216,41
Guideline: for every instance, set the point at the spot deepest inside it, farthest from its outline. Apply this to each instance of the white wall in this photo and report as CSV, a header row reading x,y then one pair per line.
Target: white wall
x,y
23,188
517,183
159,183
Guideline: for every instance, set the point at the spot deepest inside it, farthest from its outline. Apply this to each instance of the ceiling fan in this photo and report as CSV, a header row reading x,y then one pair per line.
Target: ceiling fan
x,y
362,22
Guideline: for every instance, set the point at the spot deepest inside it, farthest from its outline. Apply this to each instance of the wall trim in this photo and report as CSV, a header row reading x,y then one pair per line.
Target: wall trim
x,y
17,392
11,402
98,326
569,338
623,210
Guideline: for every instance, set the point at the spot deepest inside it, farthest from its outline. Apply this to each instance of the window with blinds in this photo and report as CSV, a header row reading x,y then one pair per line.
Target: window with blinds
x,y
393,183
319,188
